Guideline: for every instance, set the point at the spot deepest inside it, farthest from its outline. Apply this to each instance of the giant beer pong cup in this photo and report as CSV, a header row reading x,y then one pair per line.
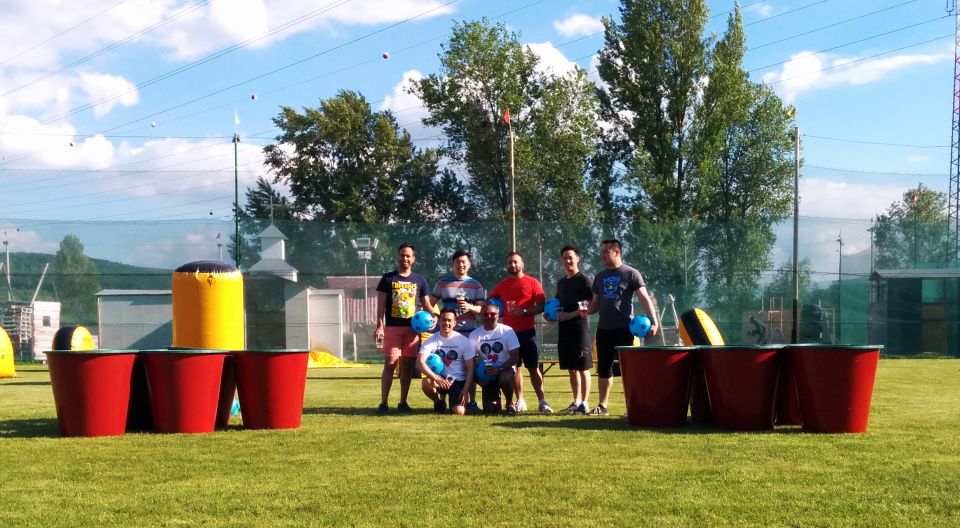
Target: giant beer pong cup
x,y
184,387
270,384
834,385
91,390
656,384
742,384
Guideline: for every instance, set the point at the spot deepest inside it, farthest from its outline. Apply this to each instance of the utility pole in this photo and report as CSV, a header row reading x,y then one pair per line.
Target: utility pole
x,y
839,284
236,201
794,335
953,194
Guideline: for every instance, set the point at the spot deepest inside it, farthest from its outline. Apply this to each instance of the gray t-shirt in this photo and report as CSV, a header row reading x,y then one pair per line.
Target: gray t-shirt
x,y
616,288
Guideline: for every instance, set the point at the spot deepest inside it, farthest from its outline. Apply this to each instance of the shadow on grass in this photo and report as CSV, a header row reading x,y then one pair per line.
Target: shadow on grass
x,y
30,428
613,424
25,383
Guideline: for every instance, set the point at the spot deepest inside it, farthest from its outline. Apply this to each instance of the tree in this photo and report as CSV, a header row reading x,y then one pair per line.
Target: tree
x,y
345,163
75,280
913,230
486,71
780,286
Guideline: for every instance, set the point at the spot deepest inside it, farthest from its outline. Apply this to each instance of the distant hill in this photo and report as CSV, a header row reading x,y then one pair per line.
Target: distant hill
x,y
27,267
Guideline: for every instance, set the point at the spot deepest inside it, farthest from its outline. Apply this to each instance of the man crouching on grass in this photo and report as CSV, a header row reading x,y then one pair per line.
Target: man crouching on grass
x,y
457,354
498,350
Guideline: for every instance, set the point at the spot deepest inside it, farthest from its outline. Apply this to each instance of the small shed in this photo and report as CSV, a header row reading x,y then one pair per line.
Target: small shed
x,y
916,310
138,319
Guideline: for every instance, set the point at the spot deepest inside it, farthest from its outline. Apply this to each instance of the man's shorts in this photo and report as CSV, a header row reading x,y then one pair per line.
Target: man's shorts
x,y
400,341
456,388
529,353
573,346
608,339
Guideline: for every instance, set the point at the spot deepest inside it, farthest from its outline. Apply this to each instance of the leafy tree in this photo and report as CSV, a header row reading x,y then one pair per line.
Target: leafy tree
x,y
780,286
346,163
913,230
76,283
485,71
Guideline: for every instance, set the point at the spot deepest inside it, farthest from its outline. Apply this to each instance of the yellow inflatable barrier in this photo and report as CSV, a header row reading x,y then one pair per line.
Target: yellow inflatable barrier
x,y
6,356
208,306
696,328
322,359
73,337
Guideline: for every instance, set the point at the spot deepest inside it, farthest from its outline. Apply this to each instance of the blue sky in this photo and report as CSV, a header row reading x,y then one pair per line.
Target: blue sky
x,y
123,110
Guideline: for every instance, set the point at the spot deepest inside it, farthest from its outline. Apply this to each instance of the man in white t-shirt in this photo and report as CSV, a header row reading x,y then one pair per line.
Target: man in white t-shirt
x,y
457,353
498,350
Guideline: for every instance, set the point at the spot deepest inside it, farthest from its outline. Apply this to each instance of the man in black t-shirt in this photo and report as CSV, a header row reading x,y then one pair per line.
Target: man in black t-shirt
x,y
573,328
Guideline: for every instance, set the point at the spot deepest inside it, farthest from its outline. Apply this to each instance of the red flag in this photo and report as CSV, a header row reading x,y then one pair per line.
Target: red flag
x,y
506,116
914,198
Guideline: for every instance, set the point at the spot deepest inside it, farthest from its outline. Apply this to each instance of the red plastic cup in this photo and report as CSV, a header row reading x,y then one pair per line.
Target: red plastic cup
x,y
656,384
835,385
742,384
184,388
271,385
91,390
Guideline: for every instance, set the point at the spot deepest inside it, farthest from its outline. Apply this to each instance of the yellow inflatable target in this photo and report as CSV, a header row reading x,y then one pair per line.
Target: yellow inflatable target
x,y
696,328
6,356
208,306
73,337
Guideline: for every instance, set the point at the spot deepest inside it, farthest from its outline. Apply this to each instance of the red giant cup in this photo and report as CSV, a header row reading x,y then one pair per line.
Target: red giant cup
x,y
742,384
656,384
271,384
184,387
835,385
91,390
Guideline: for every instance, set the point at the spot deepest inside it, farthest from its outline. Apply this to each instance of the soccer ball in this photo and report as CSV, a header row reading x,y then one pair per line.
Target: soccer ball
x,y
421,321
551,308
640,326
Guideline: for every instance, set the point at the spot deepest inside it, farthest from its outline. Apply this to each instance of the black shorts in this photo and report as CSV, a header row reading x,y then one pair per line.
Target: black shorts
x,y
491,393
529,353
456,388
607,342
573,345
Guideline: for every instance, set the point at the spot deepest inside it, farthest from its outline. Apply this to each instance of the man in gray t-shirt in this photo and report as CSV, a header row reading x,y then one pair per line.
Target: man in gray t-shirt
x,y
613,290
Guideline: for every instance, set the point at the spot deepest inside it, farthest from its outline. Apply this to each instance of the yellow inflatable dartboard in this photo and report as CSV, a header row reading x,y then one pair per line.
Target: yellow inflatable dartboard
x,y
74,337
6,356
208,306
696,328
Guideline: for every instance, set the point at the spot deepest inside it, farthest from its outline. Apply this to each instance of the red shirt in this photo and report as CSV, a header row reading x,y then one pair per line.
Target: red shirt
x,y
526,292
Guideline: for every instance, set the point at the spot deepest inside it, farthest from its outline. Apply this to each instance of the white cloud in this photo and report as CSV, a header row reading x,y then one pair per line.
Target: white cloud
x,y
409,110
761,9
828,198
918,159
578,24
552,61
112,89
808,71
23,239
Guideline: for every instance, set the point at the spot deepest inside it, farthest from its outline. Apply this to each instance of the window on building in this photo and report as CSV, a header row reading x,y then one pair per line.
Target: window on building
x,y
46,320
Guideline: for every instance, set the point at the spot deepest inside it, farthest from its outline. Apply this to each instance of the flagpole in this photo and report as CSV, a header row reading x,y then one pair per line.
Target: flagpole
x,y
513,200
236,192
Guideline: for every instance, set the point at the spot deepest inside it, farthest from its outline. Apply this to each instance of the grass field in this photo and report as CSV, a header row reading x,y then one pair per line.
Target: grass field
x,y
348,467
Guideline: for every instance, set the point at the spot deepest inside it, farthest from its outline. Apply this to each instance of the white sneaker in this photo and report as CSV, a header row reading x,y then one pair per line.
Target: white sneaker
x,y
572,408
521,406
545,409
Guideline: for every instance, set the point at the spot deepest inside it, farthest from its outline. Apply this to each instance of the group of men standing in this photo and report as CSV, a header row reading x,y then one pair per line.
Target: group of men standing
x,y
498,351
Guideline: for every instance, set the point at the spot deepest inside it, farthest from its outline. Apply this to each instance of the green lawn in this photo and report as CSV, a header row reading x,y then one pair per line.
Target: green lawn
x,y
346,466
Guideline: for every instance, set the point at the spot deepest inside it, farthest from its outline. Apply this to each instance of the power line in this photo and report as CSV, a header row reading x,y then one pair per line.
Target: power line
x,y
60,34
851,43
821,28
848,63
864,171
106,49
778,15
861,142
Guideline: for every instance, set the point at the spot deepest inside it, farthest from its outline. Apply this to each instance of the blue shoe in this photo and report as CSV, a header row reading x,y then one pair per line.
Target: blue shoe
x,y
473,408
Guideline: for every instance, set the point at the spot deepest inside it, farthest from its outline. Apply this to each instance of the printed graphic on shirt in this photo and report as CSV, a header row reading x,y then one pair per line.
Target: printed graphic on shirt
x,y
404,295
448,356
611,287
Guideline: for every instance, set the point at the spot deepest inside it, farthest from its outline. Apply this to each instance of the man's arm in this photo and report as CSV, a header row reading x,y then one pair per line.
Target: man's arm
x,y
647,304
381,307
594,304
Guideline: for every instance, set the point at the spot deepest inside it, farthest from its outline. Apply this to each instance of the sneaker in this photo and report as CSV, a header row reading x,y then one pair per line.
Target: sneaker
x,y
581,409
383,409
511,410
545,409
572,408
439,406
599,410
473,408
403,407
521,406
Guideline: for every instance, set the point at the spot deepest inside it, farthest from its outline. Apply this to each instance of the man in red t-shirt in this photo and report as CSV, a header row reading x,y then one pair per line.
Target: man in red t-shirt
x,y
523,299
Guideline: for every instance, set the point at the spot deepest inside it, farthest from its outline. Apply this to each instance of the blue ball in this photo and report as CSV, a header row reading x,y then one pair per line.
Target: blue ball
x,y
435,364
640,326
480,373
551,308
421,321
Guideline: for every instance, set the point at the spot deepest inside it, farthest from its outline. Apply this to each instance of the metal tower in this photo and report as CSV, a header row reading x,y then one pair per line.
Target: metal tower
x,y
953,197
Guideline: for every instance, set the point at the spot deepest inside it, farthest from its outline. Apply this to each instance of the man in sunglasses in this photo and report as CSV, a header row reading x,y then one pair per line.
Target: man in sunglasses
x,y
497,351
